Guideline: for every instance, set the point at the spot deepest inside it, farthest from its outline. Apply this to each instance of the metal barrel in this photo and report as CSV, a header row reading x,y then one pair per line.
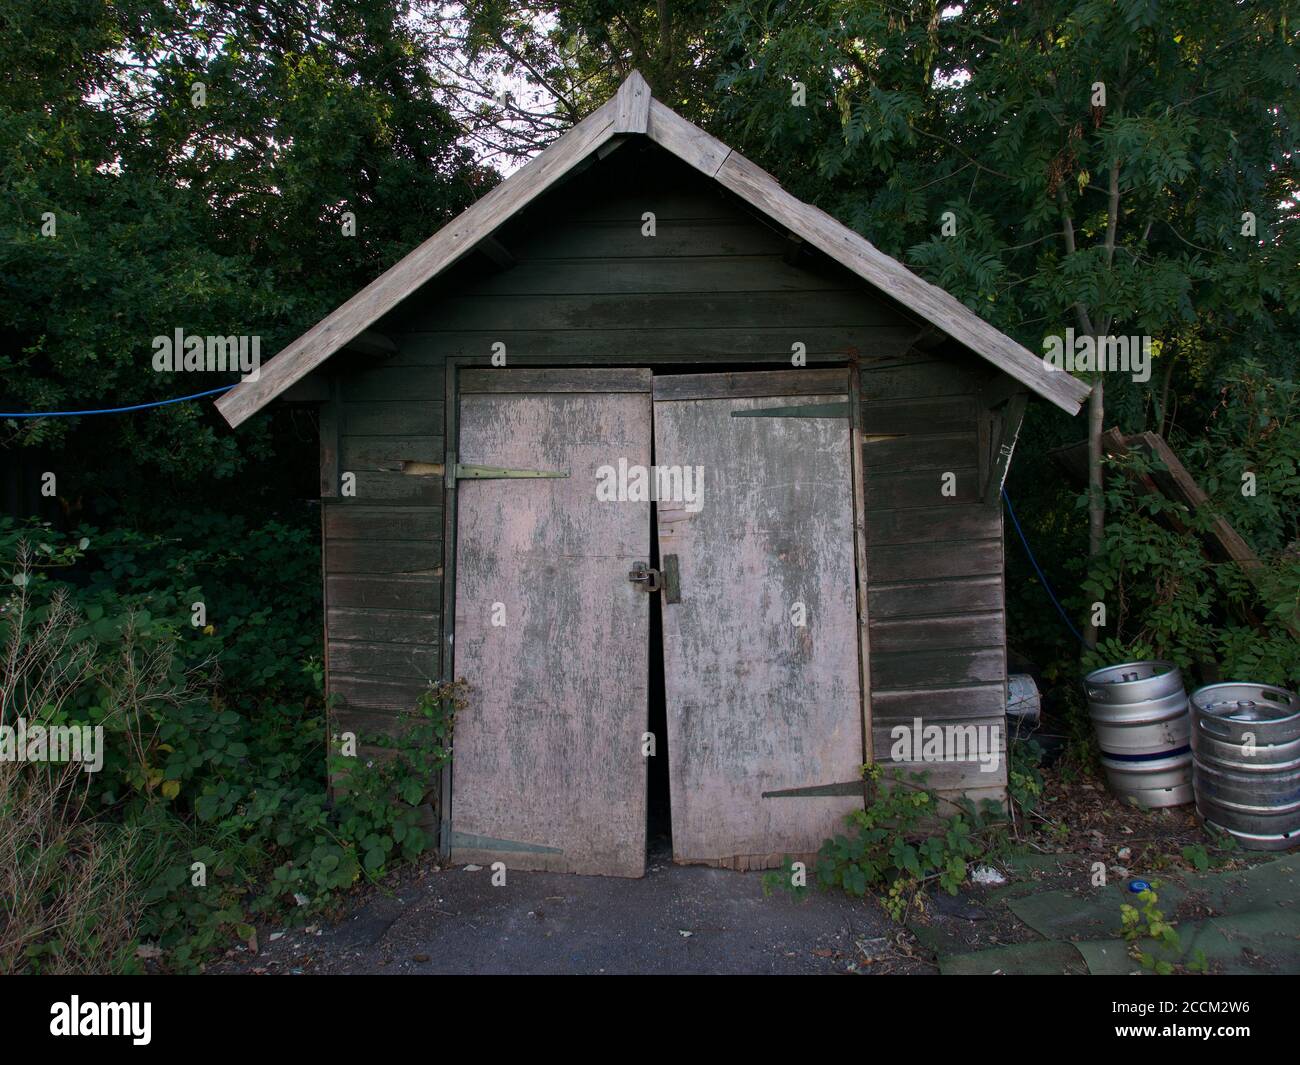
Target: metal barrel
x,y
1139,712
1138,708
1152,782
1246,762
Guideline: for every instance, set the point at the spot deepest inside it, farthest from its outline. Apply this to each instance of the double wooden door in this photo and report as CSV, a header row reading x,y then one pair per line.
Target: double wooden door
x,y
754,532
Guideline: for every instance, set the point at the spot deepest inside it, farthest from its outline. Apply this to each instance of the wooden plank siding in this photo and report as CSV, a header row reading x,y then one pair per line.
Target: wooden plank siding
x,y
936,600
714,286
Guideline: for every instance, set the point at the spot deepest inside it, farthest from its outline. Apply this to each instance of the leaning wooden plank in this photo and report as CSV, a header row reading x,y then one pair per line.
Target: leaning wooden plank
x,y
400,280
1073,458
1178,484
933,304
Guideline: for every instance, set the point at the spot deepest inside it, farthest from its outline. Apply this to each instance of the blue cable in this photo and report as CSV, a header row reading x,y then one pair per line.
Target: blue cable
x,y
1047,587
118,410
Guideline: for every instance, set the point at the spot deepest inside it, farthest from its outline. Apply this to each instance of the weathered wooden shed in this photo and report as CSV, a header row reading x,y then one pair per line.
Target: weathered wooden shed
x,y
639,295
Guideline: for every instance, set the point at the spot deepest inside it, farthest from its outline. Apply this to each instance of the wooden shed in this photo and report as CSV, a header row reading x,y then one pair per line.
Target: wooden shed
x,y
641,297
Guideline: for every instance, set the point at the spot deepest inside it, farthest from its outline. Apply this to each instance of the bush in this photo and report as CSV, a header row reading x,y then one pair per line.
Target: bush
x,y
213,797
1165,598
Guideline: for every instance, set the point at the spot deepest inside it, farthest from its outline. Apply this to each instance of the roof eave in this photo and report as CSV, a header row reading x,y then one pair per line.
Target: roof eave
x,y
634,110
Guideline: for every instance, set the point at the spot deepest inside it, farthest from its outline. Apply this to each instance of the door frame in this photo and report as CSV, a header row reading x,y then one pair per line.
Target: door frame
x,y
451,431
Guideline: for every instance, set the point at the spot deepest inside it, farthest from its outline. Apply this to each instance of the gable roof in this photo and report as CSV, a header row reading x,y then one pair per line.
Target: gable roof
x,y
633,110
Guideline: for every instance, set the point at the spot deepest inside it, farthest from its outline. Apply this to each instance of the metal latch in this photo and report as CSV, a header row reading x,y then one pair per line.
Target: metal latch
x,y
643,575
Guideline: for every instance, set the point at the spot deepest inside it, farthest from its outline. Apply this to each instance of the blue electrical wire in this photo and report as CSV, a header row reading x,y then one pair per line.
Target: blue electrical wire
x,y
117,410
1047,587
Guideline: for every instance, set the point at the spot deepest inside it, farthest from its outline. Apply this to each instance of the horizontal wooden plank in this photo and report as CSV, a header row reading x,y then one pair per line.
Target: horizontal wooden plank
x,y
388,382
672,203
396,418
512,380
923,379
939,704
642,276
957,632
702,310
750,343
907,562
954,413
364,724
805,382
951,779
389,452
389,486
371,693
382,626
420,594
398,661
918,525
898,489
674,238
351,521
921,451
420,557
954,596
911,669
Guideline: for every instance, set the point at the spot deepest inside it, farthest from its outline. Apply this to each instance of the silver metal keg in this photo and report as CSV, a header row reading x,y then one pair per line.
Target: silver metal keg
x,y
1138,708
1139,712
1151,782
1246,765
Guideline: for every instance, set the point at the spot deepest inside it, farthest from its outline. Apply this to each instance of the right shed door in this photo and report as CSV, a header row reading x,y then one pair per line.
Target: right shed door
x,y
764,709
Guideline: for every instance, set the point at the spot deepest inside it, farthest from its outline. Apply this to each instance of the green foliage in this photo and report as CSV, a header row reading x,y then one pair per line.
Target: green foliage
x,y
1220,851
900,844
221,218
1168,600
1153,939
1123,219
1024,780
221,757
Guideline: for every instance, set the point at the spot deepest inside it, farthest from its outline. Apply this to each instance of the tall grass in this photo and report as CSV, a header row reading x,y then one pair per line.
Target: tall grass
x,y
70,877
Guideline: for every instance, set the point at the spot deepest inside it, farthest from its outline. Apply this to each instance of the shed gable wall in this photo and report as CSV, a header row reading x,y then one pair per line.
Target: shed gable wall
x,y
714,284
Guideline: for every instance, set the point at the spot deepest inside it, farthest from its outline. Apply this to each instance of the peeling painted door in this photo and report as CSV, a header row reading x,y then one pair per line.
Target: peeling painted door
x,y
761,646
547,770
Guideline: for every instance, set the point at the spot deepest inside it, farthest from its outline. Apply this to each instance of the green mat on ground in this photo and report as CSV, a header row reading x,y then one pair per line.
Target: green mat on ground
x,y
1040,958
1255,927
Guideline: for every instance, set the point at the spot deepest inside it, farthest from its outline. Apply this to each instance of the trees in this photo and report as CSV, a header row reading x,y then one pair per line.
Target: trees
x,y
1108,167
174,165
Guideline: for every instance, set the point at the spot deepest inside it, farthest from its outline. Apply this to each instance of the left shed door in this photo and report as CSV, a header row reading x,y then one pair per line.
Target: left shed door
x,y
551,636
